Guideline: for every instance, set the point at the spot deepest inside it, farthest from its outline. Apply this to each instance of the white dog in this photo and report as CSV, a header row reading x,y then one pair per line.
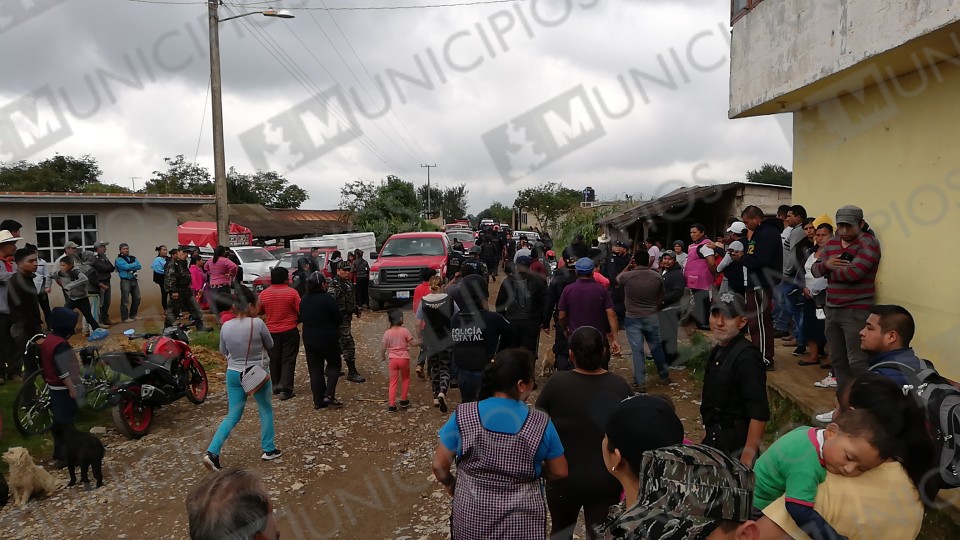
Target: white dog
x,y
26,478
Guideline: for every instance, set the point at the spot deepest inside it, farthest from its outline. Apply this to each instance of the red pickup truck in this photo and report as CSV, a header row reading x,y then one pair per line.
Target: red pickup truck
x,y
395,271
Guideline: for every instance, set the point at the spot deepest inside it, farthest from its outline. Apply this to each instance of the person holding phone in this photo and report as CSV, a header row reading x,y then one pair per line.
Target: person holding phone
x,y
850,262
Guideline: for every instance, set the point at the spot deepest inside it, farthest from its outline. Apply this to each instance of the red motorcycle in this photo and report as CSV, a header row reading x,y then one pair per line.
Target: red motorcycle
x,y
165,371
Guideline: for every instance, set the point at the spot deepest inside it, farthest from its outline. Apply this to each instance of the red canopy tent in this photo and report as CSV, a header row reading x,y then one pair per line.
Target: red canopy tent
x,y
203,234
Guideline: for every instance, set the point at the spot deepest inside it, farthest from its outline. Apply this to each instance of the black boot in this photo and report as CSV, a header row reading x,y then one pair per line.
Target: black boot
x,y
352,374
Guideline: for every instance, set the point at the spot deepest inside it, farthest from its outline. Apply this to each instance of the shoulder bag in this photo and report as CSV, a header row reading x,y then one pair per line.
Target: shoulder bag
x,y
253,377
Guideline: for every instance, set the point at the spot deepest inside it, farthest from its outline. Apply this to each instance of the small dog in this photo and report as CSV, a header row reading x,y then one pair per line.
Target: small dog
x,y
26,478
80,450
549,366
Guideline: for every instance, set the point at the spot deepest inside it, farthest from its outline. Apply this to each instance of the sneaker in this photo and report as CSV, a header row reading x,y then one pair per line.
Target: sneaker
x,y
271,455
825,418
799,351
212,461
768,365
665,381
131,319
392,408
827,382
443,401
286,395
639,388
333,402
436,402
404,403
780,333
420,372
355,377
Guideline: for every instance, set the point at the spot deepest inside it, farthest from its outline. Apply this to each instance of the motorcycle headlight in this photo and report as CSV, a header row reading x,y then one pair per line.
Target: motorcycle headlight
x,y
375,276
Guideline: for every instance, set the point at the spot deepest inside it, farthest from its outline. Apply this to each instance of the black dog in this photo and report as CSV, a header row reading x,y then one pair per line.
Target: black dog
x,y
80,449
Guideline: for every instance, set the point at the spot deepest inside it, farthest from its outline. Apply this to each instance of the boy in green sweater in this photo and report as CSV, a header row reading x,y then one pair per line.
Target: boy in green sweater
x,y
798,462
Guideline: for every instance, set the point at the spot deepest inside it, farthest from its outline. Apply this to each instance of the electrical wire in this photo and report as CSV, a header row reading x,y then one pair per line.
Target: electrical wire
x,y
203,118
285,61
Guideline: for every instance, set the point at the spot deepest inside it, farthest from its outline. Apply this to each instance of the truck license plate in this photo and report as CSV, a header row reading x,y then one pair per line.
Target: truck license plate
x,y
403,294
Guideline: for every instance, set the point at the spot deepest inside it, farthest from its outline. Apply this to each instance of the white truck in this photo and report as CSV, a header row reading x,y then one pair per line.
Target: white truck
x,y
345,242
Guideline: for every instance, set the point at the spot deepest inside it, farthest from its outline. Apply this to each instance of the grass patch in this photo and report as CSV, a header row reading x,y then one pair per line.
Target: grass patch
x,y
694,355
210,339
784,416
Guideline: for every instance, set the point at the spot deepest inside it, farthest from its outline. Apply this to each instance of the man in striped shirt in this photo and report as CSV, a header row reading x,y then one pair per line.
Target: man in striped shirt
x,y
850,261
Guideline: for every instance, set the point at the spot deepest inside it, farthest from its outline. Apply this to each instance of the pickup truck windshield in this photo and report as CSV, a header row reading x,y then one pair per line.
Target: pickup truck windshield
x,y
254,255
413,247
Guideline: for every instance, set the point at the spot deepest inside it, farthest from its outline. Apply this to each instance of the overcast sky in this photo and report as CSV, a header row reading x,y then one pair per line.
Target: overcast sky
x,y
626,96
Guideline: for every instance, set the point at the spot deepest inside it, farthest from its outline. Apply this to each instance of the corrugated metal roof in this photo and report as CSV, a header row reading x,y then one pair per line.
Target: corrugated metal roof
x,y
275,223
50,196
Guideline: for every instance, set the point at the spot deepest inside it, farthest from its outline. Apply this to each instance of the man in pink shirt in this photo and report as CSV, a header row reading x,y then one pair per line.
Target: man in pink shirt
x,y
281,304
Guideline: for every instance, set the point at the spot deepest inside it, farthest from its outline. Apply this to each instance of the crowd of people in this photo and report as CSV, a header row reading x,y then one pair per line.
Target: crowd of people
x,y
593,442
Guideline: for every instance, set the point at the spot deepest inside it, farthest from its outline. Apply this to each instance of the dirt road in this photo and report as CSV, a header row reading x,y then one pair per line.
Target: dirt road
x,y
357,472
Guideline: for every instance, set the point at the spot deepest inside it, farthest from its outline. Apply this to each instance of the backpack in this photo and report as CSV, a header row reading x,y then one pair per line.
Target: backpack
x,y
521,302
940,402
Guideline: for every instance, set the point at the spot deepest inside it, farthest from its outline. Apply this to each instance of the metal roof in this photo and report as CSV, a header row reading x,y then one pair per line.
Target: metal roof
x,y
275,223
11,197
674,203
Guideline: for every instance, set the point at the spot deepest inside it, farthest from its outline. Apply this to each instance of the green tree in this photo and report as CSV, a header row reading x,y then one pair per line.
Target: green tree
x,y
267,188
105,188
59,174
450,202
548,202
181,176
386,208
497,211
771,174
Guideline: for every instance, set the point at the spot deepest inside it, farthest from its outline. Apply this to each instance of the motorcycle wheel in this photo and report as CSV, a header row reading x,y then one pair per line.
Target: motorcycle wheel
x,y
131,418
98,383
196,383
31,408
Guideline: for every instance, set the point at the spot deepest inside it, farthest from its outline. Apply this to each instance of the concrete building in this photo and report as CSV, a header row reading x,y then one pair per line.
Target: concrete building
x,y
669,217
872,86
144,221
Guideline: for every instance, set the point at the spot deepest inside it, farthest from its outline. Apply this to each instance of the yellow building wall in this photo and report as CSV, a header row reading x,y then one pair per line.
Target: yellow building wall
x,y
894,150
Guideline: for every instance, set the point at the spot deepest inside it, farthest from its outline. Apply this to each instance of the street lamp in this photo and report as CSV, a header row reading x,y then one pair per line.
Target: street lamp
x,y
216,104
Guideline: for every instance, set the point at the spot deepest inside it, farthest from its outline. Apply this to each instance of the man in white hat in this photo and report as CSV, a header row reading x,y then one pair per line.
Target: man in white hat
x,y
8,269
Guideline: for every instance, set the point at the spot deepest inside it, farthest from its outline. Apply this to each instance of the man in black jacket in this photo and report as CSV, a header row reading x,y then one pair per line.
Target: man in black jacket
x,y
673,285
763,259
24,309
520,301
561,278
616,262
101,263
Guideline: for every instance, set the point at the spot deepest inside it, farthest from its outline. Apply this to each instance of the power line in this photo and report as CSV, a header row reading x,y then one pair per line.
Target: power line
x,y
203,117
360,84
304,80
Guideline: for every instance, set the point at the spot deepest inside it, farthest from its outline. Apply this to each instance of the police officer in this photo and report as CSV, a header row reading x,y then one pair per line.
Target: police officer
x,y
361,268
455,260
616,262
343,291
734,406
561,278
491,255
476,265
176,282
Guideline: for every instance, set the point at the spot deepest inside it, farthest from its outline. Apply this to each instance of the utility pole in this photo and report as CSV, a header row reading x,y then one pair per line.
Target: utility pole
x,y
429,208
133,181
216,105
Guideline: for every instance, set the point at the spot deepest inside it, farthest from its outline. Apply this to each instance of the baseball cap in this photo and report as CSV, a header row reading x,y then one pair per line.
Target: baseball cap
x,y
637,424
737,227
849,214
100,243
123,245
686,491
69,245
524,260
670,254
620,243
584,265
63,319
343,265
730,304
736,245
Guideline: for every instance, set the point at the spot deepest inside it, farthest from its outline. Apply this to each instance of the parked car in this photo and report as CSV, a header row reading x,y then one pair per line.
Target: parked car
x,y
289,261
466,237
531,235
255,262
396,271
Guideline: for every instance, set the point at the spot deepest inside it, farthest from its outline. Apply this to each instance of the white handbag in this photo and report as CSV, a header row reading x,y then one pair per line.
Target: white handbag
x,y
252,378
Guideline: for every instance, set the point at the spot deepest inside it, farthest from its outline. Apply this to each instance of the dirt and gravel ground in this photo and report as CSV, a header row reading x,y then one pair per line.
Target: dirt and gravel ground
x,y
357,472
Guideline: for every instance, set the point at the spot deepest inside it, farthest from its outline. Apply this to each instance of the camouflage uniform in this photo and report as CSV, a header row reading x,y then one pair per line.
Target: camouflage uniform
x,y
177,279
343,291
685,492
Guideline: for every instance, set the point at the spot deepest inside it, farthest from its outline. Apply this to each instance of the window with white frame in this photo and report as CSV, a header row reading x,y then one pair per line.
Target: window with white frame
x,y
55,230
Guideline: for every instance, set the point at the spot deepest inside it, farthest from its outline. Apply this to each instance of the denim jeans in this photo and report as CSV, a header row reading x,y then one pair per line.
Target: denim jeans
x,y
640,329
237,399
789,306
470,382
129,291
